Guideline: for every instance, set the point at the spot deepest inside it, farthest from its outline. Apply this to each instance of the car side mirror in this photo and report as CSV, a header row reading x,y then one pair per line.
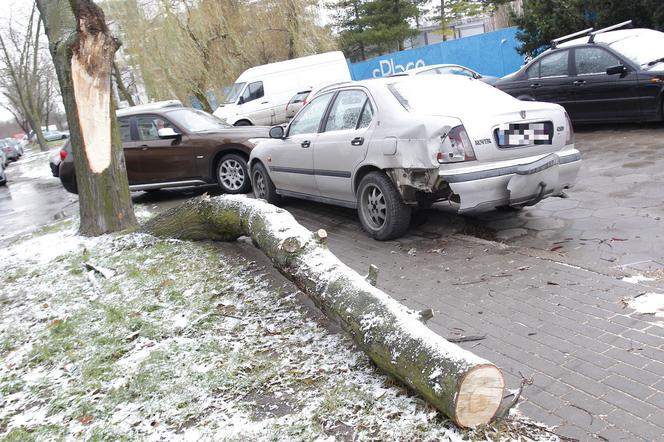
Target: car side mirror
x,y
277,132
240,100
619,69
167,132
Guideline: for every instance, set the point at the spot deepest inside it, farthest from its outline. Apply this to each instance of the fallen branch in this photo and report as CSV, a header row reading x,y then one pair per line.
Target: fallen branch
x,y
466,338
503,411
465,387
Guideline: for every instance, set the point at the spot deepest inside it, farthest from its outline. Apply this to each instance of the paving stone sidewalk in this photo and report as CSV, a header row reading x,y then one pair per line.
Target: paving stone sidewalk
x,y
597,366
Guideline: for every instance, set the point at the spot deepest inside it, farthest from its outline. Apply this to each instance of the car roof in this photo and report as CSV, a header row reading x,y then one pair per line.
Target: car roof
x,y
158,105
373,83
433,66
606,38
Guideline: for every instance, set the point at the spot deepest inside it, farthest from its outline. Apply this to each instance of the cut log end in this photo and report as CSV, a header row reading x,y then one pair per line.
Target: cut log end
x,y
479,396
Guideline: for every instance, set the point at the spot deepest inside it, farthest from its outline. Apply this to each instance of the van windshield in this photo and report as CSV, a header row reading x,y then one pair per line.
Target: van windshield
x,y
232,95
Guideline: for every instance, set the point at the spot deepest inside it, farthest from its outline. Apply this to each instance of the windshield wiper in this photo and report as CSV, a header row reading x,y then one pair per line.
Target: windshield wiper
x,y
659,60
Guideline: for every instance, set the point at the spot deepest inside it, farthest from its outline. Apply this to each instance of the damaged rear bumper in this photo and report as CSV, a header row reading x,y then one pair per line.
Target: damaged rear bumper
x,y
516,184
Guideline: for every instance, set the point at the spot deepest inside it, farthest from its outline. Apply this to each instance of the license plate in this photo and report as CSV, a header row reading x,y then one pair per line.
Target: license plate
x,y
524,134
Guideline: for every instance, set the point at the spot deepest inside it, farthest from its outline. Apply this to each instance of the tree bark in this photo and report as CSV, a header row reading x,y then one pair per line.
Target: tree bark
x,y
463,386
83,50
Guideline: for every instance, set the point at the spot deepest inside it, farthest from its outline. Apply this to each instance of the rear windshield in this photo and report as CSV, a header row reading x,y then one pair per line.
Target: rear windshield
x,y
193,120
442,94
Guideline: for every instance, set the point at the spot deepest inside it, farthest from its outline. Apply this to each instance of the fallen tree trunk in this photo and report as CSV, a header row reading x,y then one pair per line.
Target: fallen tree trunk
x,y
465,387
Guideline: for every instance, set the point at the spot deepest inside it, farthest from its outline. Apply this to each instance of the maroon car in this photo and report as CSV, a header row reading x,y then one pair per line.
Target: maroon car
x,y
176,147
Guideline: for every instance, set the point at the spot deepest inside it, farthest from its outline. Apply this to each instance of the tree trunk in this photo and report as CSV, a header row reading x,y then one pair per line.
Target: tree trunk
x,y
122,89
203,100
83,50
463,386
443,24
293,23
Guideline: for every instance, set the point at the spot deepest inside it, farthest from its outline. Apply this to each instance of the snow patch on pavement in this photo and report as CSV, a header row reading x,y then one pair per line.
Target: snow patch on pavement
x,y
649,304
636,279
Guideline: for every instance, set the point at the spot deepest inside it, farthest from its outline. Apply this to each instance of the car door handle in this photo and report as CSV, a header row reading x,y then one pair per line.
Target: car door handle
x,y
535,85
144,147
579,82
265,102
357,141
306,143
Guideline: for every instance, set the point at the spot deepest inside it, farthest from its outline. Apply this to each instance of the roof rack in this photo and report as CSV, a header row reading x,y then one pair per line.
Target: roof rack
x,y
555,41
610,28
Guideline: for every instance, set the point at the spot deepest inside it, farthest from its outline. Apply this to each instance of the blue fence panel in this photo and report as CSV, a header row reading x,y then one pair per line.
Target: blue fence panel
x,y
491,53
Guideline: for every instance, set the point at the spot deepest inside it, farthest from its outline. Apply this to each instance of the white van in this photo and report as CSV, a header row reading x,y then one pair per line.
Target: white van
x,y
260,95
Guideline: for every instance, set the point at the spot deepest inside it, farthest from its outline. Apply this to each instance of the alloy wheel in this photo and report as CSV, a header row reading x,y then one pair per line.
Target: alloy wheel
x,y
259,186
231,174
375,205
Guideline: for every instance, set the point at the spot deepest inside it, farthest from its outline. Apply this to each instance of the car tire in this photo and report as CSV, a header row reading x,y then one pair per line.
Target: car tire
x,y
389,221
243,123
232,174
263,186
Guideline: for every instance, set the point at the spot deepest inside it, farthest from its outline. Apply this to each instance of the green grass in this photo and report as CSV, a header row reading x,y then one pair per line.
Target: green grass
x,y
241,351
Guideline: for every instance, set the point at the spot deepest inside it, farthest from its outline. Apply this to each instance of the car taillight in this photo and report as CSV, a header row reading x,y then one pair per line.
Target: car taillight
x,y
63,154
456,147
570,133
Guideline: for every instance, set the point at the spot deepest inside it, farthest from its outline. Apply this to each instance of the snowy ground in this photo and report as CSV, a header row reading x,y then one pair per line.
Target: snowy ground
x,y
184,341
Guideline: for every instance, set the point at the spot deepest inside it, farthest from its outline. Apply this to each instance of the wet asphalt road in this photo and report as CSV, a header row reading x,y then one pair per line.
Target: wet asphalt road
x,y
32,198
612,220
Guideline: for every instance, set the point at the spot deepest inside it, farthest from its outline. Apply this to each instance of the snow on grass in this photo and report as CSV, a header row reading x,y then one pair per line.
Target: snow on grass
x,y
187,341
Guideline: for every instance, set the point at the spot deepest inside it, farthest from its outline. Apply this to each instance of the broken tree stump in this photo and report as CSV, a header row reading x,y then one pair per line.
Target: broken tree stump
x,y
463,386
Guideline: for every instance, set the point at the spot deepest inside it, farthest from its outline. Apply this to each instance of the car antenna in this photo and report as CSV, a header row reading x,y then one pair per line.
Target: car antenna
x,y
610,28
555,41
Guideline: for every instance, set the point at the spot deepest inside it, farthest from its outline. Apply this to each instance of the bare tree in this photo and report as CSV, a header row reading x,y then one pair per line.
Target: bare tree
x,y
187,48
83,51
24,80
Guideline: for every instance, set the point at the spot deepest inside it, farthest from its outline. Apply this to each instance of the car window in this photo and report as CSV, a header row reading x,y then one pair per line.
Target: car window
x,y
455,70
554,65
308,120
593,61
346,110
533,71
149,125
367,115
299,97
125,129
253,92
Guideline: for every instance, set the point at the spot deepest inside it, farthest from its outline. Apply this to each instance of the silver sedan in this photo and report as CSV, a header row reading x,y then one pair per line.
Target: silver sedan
x,y
389,145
